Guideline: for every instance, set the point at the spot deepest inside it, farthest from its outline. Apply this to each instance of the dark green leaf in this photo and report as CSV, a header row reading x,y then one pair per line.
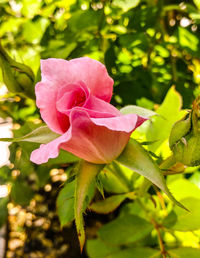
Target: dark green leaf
x,y
184,252
3,210
136,252
109,204
125,229
65,203
97,249
21,193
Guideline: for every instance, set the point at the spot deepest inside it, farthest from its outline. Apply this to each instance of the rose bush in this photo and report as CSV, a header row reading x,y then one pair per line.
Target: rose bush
x,y
73,98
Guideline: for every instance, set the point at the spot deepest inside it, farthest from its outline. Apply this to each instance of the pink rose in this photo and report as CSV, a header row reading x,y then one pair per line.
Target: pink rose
x,y
73,98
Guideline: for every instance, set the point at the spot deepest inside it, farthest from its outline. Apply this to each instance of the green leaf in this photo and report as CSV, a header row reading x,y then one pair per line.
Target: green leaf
x,y
4,210
84,20
184,252
37,29
43,175
132,109
30,7
85,178
197,3
187,221
137,158
111,183
98,249
195,179
136,252
188,40
99,186
21,192
126,4
183,188
109,204
125,229
16,76
40,135
170,220
63,158
180,129
65,203
169,112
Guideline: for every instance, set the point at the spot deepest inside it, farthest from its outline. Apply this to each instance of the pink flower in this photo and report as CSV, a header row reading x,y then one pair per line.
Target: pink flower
x,y
73,98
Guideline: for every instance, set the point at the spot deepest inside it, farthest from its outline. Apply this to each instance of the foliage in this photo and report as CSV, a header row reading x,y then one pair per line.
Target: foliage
x,y
151,50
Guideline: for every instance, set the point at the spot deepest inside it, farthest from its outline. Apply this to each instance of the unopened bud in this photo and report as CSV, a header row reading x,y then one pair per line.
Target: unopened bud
x,y
18,78
184,140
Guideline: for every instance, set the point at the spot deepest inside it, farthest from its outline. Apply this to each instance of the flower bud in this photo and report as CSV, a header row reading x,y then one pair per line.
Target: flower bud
x,y
184,140
18,77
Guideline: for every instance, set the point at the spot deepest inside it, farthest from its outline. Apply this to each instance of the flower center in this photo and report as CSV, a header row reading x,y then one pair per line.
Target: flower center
x,y
79,98
71,96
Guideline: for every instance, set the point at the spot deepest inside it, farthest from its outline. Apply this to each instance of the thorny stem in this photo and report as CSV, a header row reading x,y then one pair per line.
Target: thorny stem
x,y
161,244
157,228
165,165
161,199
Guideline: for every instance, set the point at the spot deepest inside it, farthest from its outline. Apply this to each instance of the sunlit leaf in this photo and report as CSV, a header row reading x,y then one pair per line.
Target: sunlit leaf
x,y
183,188
187,221
169,112
137,110
187,39
126,4
197,3
37,29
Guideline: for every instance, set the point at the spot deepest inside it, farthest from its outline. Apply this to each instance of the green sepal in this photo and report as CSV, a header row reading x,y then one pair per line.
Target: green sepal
x,y
132,109
136,158
40,135
86,173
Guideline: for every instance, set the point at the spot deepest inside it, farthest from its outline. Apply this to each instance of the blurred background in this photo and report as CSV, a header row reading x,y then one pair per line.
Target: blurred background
x,y
147,46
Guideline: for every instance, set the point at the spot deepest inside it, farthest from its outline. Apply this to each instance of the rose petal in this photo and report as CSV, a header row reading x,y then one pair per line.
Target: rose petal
x,y
97,140
70,96
58,73
46,101
94,106
49,150
87,70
